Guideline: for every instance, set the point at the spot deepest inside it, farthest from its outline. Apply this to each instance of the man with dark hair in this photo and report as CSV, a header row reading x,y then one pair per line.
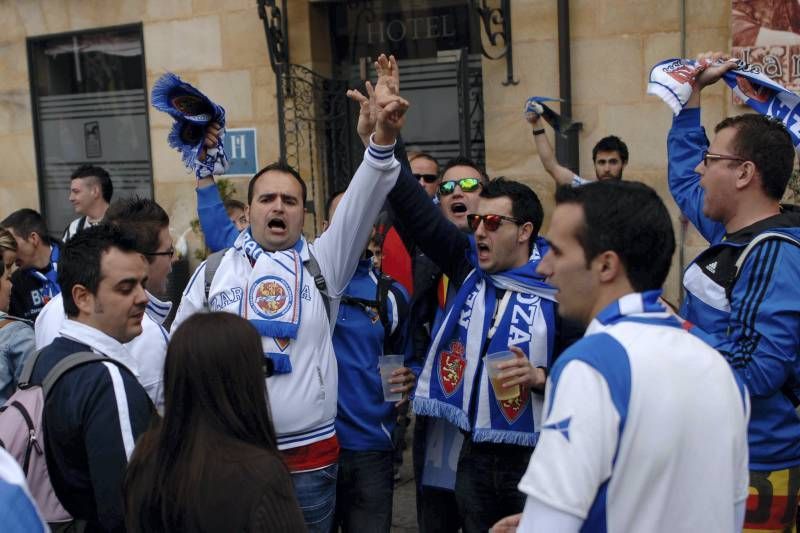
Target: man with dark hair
x,y
500,302
743,291
372,322
147,224
289,290
609,156
90,192
426,169
95,412
35,283
237,212
638,396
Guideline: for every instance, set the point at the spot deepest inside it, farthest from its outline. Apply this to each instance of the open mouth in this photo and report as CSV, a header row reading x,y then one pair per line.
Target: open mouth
x,y
458,207
483,250
276,224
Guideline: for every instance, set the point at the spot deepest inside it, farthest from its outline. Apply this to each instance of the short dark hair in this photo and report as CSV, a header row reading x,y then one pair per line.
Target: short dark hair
x,y
525,205
612,143
630,219
231,204
329,202
140,218
100,174
79,263
464,161
422,155
25,221
766,142
278,166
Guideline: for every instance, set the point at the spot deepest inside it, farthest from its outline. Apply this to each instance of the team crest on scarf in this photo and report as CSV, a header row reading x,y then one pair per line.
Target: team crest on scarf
x,y
514,407
270,297
282,342
451,368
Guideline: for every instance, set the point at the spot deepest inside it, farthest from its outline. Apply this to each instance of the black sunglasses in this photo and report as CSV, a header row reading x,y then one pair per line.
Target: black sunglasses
x,y
429,178
490,222
466,184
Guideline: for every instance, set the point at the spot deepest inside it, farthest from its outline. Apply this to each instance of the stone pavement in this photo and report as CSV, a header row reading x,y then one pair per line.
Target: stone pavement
x,y
404,510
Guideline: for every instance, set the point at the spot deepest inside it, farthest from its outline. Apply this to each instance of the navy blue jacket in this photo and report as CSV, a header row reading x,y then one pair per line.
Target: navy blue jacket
x,y
91,419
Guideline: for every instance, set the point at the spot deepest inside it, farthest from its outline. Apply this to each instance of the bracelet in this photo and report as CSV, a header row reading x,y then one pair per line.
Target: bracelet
x,y
538,132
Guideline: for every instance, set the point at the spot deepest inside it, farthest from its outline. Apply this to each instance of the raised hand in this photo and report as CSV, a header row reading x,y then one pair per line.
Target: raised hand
x,y
367,114
391,118
388,85
211,138
714,65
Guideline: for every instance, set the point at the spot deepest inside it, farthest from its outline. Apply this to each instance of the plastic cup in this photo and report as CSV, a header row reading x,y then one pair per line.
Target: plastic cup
x,y
387,365
490,361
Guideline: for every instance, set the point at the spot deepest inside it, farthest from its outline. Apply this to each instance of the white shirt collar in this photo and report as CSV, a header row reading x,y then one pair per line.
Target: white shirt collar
x,y
99,342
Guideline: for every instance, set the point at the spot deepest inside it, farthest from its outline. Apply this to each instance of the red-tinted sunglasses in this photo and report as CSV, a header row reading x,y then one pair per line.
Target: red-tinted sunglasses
x,y
490,222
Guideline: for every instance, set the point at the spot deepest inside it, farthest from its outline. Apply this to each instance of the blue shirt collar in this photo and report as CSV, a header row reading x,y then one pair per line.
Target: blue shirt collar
x,y
644,305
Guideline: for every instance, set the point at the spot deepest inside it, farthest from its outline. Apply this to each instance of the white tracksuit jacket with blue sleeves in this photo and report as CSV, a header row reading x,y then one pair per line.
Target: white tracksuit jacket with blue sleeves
x,y
303,401
646,427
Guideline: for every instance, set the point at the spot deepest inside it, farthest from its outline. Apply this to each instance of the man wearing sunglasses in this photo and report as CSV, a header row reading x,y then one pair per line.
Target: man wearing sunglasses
x,y
459,190
499,302
744,289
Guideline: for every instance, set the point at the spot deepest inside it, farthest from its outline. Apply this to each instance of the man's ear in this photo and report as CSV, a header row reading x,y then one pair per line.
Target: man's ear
x,y
525,232
325,225
34,238
746,174
84,300
609,266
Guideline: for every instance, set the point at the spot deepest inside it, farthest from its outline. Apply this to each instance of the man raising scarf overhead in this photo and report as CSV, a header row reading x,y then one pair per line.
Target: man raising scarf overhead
x,y
500,303
274,278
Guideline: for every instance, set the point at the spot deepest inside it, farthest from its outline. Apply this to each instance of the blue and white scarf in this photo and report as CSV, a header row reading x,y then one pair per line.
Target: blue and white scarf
x,y
673,80
49,278
454,367
192,112
273,295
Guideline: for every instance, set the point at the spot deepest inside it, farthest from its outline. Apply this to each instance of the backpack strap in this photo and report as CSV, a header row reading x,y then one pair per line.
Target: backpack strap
x,y
212,264
384,286
319,280
767,235
788,387
67,364
27,370
213,261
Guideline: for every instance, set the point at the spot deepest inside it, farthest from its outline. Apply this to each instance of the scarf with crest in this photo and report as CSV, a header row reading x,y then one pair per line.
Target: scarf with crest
x,y
454,384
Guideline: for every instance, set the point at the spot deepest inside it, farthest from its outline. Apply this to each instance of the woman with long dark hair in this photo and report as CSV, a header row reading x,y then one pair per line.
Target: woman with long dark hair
x,y
212,463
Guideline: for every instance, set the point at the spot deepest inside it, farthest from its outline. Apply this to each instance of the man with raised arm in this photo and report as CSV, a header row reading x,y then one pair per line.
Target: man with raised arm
x,y
744,290
275,279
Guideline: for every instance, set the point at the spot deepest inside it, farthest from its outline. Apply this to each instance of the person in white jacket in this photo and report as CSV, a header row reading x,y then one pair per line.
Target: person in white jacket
x,y
267,277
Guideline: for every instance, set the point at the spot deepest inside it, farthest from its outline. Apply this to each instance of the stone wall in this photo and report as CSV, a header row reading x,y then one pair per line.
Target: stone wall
x,y
219,45
614,45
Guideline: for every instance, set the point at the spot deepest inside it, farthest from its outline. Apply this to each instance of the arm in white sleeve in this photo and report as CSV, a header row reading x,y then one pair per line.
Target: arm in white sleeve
x,y
576,447
738,516
538,517
193,299
338,249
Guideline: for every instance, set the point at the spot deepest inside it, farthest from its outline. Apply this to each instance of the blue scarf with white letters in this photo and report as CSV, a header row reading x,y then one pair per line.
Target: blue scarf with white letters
x,y
455,386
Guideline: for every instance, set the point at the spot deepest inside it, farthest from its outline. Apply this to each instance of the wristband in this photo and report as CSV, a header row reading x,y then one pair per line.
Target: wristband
x,y
546,375
538,132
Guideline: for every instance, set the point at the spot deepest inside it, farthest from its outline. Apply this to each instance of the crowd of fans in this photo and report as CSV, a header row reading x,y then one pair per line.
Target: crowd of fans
x,y
553,388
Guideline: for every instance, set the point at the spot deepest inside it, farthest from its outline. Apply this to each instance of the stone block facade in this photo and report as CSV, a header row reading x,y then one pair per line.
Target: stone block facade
x,y
220,46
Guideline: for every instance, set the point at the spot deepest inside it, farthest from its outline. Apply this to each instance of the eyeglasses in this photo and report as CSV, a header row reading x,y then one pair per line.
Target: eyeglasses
x,y
169,252
429,178
490,222
720,157
466,184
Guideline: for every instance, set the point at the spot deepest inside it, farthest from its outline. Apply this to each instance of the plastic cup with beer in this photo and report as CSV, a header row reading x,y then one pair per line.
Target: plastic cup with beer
x,y
491,361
